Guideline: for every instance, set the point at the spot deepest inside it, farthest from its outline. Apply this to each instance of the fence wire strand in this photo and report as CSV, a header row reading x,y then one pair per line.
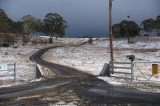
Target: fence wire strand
x,y
143,73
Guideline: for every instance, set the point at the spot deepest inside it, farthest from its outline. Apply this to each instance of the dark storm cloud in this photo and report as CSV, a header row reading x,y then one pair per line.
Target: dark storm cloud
x,y
84,16
137,9
2,1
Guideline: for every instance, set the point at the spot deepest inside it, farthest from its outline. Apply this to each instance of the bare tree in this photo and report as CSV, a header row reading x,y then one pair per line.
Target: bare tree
x,y
25,39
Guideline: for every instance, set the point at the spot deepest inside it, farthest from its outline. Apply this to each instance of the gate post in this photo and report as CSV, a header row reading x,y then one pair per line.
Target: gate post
x,y
14,72
132,70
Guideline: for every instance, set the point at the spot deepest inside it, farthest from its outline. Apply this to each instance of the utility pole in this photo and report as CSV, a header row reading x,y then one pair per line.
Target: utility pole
x,y
110,35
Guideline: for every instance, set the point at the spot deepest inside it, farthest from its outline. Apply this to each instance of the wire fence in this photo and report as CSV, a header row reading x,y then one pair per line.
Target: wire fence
x,y
144,79
143,71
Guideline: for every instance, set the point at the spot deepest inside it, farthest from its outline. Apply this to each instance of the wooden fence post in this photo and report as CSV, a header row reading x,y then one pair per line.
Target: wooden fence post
x,y
14,72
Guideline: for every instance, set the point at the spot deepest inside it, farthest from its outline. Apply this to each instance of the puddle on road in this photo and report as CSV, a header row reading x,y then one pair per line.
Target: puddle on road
x,y
53,86
96,90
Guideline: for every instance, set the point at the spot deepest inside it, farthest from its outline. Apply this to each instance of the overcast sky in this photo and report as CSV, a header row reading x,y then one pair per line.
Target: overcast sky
x,y
85,17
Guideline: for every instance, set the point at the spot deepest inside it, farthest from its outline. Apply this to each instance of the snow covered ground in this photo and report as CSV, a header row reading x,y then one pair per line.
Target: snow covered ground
x,y
25,69
91,59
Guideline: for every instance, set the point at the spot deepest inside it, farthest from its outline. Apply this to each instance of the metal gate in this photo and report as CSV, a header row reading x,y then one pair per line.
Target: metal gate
x,y
119,69
123,69
22,72
8,71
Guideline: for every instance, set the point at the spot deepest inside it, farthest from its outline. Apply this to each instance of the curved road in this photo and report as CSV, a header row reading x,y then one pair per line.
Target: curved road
x,y
87,87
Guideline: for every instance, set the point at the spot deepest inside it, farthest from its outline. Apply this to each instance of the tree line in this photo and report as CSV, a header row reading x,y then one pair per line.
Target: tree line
x,y
131,28
52,25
